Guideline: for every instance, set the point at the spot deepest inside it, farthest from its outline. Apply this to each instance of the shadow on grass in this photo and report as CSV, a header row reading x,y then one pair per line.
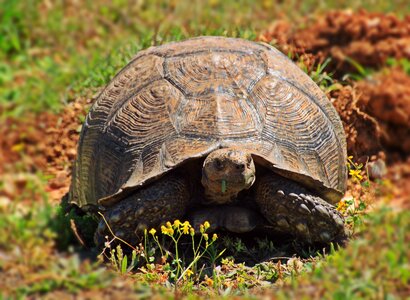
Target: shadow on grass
x,y
74,228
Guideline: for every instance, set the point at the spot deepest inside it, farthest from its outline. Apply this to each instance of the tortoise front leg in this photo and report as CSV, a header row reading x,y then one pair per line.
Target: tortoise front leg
x,y
164,200
294,210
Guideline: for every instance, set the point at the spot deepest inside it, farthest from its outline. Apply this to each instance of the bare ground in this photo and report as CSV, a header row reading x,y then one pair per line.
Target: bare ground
x,y
367,38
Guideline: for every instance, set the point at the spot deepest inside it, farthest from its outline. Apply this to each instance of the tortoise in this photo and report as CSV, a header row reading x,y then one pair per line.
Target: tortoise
x,y
212,128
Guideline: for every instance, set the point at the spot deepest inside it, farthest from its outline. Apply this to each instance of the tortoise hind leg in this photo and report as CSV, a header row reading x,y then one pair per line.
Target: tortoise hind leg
x,y
293,210
164,200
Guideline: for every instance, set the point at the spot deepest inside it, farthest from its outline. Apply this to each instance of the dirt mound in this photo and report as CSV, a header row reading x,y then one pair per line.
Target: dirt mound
x,y
367,38
44,143
386,97
376,114
363,133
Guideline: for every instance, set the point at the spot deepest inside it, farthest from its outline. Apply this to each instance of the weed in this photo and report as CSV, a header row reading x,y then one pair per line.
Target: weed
x,y
352,208
173,265
319,74
362,72
323,79
120,261
355,170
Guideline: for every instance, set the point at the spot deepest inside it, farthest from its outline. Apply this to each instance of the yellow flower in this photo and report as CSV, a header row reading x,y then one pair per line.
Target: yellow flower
x,y
356,174
167,231
168,224
152,231
188,273
205,236
191,231
186,227
214,237
341,206
206,225
176,224
164,230
209,281
201,228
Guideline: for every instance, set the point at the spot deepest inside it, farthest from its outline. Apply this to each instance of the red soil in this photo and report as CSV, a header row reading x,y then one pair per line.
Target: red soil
x,y
367,38
44,143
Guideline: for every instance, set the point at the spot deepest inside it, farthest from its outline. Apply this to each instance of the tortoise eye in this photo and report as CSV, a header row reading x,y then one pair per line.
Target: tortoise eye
x,y
218,164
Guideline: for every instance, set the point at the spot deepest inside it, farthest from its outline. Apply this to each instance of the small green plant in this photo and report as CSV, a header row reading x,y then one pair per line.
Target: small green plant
x,y
323,79
175,232
362,72
68,273
319,75
175,266
120,261
355,170
353,209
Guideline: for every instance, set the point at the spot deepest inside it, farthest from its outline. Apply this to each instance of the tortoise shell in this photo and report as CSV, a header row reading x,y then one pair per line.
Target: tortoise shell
x,y
183,100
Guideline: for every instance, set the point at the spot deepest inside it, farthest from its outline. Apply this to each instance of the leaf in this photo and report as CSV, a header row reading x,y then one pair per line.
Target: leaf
x,y
349,201
124,265
133,261
362,205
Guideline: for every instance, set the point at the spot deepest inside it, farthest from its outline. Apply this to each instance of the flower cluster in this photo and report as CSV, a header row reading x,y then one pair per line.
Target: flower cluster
x,y
175,231
184,228
355,169
188,273
342,206
204,227
356,174
169,229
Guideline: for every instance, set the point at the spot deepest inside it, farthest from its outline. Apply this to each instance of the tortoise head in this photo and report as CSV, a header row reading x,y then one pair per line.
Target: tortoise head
x,y
225,173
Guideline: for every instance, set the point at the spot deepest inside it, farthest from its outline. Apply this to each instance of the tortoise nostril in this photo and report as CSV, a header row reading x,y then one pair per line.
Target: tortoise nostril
x,y
240,167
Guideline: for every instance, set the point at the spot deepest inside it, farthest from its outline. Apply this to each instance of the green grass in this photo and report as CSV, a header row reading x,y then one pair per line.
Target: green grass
x,y
49,55
376,264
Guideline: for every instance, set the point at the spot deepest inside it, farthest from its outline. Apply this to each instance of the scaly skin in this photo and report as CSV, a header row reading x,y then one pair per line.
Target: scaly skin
x,y
163,200
292,209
